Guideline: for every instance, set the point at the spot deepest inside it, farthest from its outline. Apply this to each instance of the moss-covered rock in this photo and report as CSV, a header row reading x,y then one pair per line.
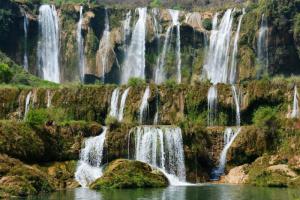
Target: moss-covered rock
x,y
129,174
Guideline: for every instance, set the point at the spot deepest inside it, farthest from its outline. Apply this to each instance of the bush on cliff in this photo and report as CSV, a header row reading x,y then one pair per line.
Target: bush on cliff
x,y
5,73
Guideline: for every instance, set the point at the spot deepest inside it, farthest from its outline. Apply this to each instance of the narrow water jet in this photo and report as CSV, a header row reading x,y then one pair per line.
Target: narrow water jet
x,y
236,99
27,104
49,98
134,64
161,147
48,45
262,48
144,107
91,158
25,25
122,104
212,101
80,46
295,113
114,103
126,28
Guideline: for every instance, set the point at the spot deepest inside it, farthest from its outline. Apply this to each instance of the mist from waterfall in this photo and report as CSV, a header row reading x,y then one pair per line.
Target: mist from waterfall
x,y
122,104
27,104
217,59
25,26
114,103
134,64
144,107
212,100
80,46
262,48
161,147
295,112
48,45
91,158
232,76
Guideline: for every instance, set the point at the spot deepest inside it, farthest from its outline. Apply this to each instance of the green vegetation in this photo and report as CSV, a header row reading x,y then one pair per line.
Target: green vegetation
x,y
5,73
135,82
155,3
265,117
207,24
129,174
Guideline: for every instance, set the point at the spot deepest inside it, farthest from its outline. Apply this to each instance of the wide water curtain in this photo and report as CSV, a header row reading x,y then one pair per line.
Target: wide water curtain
x,y
48,45
134,64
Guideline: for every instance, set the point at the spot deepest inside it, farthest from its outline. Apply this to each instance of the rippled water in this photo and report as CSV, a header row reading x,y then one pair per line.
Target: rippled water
x,y
205,192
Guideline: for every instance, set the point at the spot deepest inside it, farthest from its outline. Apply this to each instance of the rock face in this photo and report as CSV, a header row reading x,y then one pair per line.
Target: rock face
x,y
129,174
237,175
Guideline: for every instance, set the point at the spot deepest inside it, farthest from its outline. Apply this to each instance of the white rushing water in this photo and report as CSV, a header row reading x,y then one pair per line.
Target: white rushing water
x,y
295,112
91,156
126,28
114,103
49,98
27,104
161,147
212,100
105,47
80,47
25,25
216,64
236,99
232,76
134,64
144,107
262,48
48,45
229,136
122,104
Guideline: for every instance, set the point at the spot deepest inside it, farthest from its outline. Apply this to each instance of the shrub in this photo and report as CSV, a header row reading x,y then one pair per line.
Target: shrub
x,y
40,116
155,3
171,83
5,73
265,117
134,82
111,121
207,24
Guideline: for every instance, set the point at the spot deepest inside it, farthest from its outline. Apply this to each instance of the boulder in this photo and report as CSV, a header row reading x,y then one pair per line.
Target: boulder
x,y
237,175
123,173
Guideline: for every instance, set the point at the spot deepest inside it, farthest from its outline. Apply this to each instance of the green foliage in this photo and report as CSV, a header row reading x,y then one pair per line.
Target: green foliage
x,y
207,24
265,117
5,73
134,82
40,116
155,3
111,121
171,83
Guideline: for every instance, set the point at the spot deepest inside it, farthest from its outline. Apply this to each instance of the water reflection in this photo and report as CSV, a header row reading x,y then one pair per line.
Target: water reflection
x,y
205,192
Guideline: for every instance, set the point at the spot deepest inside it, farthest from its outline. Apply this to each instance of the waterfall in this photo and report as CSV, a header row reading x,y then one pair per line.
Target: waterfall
x,y
156,24
122,104
295,112
134,64
25,25
232,77
48,45
144,107
114,103
27,104
262,48
237,105
49,98
229,136
80,46
212,100
105,47
161,147
126,28
91,156
216,64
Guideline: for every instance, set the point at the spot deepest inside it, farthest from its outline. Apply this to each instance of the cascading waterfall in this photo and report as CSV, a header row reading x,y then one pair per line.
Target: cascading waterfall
x,y
27,104
48,45
126,28
80,46
49,98
175,15
295,113
25,24
262,48
144,107
91,156
216,64
229,136
105,46
232,76
114,103
212,100
156,24
134,64
161,147
237,105
122,105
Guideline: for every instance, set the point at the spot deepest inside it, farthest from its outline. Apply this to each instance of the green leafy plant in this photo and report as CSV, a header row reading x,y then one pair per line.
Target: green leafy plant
x,y
5,73
134,82
207,24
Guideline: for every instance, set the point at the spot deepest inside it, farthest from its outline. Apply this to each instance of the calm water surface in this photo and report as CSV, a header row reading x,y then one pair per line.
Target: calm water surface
x,y
205,192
